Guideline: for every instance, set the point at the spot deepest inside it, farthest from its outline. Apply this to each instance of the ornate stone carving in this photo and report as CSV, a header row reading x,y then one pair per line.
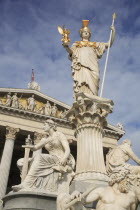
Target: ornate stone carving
x,y
8,100
31,103
63,114
48,108
54,110
119,195
123,191
88,114
34,85
120,126
20,106
116,160
40,110
15,103
50,172
90,110
11,132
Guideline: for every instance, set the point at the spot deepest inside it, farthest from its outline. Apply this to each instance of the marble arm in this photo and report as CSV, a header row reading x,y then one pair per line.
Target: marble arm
x,y
132,155
41,144
133,206
66,147
67,48
112,37
93,195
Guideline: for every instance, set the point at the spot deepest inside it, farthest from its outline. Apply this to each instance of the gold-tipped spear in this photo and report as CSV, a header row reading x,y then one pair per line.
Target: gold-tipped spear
x,y
113,19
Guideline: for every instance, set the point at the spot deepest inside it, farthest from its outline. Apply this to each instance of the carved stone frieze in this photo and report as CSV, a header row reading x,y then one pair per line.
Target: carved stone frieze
x,y
32,105
11,132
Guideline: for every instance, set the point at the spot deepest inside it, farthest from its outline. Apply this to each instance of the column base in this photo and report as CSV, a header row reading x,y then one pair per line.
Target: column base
x,y
83,185
29,200
91,177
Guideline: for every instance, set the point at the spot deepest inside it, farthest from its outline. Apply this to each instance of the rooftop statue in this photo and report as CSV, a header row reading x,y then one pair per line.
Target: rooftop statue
x,y
48,108
49,172
8,100
31,103
15,103
84,55
54,110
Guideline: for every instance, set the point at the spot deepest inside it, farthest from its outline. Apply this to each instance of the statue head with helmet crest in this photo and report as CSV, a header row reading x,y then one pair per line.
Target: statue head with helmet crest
x,y
85,28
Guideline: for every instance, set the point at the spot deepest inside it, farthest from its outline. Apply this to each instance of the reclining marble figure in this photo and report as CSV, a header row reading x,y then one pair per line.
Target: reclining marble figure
x,y
123,192
50,172
119,195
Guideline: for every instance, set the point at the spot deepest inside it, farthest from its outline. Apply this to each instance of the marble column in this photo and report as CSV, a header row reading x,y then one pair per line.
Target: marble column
x,y
88,115
7,158
90,159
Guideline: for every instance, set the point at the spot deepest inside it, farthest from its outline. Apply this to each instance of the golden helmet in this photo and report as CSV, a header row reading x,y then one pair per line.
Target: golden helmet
x,y
84,27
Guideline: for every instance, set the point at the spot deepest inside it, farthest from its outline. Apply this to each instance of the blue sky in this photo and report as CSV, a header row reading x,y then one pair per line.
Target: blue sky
x,y
29,40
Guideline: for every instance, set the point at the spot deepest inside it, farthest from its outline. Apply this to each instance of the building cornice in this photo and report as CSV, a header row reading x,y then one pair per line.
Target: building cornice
x,y
30,115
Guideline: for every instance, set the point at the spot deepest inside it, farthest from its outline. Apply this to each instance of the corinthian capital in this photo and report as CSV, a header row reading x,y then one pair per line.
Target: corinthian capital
x,y
11,132
90,110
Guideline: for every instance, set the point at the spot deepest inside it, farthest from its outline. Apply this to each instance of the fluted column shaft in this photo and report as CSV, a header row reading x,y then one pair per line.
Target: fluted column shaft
x,y
6,159
88,115
90,159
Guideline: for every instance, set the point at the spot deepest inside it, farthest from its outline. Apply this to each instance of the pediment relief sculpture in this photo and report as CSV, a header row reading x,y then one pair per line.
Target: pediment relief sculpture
x,y
30,103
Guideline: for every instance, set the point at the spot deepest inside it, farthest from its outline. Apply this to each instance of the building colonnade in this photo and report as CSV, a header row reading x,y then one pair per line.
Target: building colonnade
x,y
6,159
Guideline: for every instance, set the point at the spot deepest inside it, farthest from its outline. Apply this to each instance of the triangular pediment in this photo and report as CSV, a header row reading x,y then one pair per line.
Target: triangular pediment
x,y
25,97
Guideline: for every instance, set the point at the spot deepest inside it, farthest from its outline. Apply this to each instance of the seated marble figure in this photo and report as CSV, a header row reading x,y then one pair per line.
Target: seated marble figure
x,y
51,172
116,160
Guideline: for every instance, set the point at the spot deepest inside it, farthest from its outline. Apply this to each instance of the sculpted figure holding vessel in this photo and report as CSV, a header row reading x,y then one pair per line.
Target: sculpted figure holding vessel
x,y
84,55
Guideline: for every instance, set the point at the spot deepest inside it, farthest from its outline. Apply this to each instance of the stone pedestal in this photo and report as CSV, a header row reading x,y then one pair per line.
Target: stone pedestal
x,y
7,158
29,200
89,118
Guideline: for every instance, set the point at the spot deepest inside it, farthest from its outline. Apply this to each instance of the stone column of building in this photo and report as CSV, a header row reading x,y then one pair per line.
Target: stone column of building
x,y
37,138
7,158
89,117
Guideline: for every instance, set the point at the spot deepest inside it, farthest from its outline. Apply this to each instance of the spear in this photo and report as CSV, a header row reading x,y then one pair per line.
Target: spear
x,y
113,19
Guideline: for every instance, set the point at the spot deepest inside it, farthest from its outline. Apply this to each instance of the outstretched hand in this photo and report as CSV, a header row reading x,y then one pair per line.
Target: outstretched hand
x,y
76,194
112,28
65,44
63,161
